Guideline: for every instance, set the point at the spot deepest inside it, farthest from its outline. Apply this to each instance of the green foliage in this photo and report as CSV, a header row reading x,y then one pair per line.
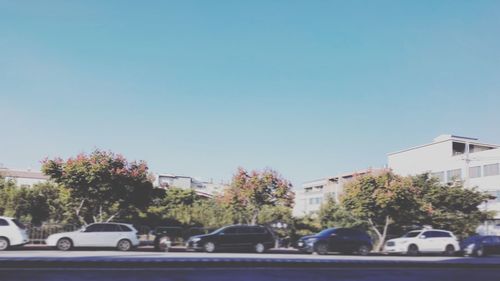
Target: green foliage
x,y
332,214
103,185
250,193
42,202
450,207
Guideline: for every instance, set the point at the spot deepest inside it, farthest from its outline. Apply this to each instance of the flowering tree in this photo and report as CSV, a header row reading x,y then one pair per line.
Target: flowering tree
x,y
251,192
102,185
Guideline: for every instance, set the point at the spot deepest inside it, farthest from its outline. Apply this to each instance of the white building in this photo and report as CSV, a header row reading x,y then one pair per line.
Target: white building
x,y
309,198
23,177
202,188
454,158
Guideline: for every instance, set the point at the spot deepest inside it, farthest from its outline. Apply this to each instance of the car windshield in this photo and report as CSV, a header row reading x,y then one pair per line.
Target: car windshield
x,y
326,232
412,234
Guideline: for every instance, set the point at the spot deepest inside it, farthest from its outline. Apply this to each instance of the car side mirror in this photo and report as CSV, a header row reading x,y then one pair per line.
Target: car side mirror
x,y
333,235
422,237
221,233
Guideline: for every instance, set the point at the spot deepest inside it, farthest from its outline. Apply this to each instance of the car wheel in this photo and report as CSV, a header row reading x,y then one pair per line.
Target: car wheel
x,y
4,244
164,244
449,250
124,245
259,248
412,250
321,249
480,252
209,247
363,250
64,244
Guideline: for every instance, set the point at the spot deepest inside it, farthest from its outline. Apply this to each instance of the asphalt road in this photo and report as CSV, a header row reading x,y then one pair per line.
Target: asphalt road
x,y
250,274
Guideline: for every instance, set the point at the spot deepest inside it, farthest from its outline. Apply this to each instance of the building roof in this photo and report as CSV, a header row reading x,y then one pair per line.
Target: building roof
x,y
23,174
445,138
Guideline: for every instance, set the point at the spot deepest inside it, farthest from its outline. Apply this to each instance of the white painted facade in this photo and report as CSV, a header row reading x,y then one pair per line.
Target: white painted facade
x,y
453,158
26,178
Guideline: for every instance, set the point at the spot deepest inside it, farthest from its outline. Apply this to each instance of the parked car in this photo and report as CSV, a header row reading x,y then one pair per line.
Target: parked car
x,y
480,246
119,235
423,241
343,240
242,237
12,233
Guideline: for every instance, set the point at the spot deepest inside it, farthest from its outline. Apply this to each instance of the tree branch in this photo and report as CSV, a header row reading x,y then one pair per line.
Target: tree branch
x,y
113,216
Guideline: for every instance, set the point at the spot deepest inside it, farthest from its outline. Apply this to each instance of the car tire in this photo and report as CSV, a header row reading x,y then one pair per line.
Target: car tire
x,y
479,252
449,250
4,244
124,245
64,244
363,250
209,247
321,249
259,248
412,250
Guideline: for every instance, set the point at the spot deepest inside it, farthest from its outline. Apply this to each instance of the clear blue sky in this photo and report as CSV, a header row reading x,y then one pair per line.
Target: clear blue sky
x,y
309,88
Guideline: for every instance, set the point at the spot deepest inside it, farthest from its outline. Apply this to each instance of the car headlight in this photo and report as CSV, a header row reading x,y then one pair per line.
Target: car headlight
x,y
196,239
470,247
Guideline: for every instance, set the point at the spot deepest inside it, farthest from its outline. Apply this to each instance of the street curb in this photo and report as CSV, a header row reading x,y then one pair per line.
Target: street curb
x,y
228,262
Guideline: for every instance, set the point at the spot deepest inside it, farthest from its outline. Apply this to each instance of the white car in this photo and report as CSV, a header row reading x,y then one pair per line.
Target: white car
x,y
12,233
424,241
118,235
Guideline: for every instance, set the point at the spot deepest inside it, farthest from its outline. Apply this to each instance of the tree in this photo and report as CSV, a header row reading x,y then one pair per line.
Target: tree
x,y
250,192
333,214
450,206
381,200
102,185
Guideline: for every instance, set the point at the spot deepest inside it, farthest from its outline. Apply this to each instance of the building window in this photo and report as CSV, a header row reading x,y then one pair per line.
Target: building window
x,y
438,175
458,148
491,170
475,172
308,189
454,175
478,148
315,201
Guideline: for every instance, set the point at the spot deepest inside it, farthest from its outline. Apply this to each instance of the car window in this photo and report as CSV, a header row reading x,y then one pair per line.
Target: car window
x,y
412,234
259,230
327,232
19,224
125,228
3,222
111,228
94,228
230,230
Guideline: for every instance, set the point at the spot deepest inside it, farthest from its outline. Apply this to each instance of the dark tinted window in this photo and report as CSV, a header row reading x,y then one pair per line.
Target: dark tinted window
x,y
327,232
231,230
125,228
111,228
94,228
3,222
411,234
19,224
436,234
259,230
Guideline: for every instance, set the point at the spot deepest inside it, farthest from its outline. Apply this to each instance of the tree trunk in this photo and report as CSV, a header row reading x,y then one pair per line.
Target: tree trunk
x,y
380,235
77,211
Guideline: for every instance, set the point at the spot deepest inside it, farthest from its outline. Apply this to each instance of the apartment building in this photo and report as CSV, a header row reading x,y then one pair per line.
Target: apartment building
x,y
454,158
202,188
312,194
23,177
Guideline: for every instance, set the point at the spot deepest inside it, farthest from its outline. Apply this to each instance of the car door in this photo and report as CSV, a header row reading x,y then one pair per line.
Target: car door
x,y
109,235
433,242
90,236
228,238
425,241
335,240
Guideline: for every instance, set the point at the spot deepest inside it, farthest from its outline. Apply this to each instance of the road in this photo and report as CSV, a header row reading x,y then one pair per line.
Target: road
x,y
250,274
42,264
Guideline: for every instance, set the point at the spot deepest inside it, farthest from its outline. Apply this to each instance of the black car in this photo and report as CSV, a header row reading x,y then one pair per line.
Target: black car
x,y
343,240
242,237
481,246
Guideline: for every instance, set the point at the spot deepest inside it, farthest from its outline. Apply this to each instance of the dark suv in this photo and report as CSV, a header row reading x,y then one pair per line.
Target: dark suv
x,y
343,240
243,237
